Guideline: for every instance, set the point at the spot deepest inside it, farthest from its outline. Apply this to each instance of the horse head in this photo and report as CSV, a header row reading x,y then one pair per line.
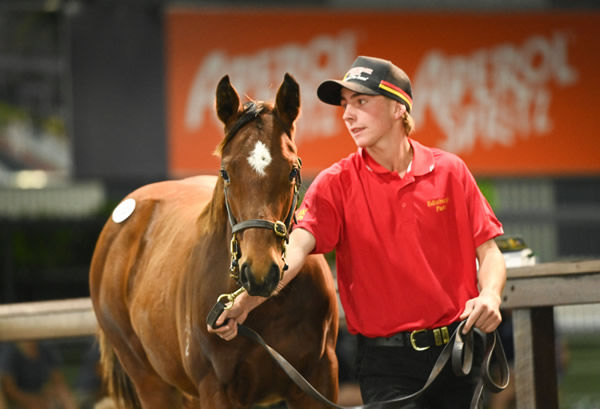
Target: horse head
x,y
260,176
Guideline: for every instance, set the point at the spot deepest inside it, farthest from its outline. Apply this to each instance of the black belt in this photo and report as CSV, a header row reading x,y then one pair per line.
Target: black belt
x,y
419,340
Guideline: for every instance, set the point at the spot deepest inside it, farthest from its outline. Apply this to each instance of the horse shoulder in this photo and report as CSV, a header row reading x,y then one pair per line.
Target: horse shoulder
x,y
140,264
170,235
321,277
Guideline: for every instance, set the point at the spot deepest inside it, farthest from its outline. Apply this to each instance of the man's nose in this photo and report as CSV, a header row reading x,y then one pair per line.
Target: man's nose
x,y
348,113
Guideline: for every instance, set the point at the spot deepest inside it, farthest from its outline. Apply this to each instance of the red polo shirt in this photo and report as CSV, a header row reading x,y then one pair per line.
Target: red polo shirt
x,y
405,247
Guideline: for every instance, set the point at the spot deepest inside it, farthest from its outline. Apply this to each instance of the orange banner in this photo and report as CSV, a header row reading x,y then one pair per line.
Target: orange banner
x,y
512,94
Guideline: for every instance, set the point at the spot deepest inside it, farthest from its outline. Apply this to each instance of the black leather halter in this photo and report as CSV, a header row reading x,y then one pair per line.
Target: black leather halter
x,y
281,228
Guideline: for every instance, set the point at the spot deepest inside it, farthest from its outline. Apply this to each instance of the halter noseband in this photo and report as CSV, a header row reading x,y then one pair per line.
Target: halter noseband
x,y
280,228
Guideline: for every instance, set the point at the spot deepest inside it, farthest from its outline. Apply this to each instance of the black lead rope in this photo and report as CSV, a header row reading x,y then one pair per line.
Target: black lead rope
x,y
459,350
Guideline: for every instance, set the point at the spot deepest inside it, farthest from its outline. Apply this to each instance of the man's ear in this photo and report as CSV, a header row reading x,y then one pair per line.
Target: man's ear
x,y
399,110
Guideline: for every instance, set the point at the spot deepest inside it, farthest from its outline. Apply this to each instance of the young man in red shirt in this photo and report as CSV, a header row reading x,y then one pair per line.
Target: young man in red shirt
x,y
408,223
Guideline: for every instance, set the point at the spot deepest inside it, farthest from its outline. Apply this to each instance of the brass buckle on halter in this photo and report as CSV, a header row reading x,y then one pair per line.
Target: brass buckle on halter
x,y
233,246
235,255
413,342
230,298
280,229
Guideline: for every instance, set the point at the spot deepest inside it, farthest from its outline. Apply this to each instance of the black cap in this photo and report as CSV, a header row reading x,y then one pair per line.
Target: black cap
x,y
371,76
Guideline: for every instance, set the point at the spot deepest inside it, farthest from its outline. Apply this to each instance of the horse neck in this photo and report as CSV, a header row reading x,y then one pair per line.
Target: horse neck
x,y
213,219
215,236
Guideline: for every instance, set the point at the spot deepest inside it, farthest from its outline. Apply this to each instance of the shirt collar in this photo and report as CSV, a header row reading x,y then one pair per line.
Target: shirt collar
x,y
422,162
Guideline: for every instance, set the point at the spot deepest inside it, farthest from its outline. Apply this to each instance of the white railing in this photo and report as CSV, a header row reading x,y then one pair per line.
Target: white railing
x,y
47,319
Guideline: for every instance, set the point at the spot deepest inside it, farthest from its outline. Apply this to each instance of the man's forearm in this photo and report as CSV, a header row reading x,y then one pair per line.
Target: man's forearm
x,y
492,269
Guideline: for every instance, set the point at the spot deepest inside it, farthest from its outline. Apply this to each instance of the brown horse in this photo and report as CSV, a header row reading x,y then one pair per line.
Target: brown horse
x,y
166,255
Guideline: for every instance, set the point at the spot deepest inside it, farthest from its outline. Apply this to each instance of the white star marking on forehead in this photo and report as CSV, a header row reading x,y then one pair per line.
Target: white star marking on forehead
x,y
259,158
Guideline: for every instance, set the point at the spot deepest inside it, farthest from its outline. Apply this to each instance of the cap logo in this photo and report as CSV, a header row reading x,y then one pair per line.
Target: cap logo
x,y
358,73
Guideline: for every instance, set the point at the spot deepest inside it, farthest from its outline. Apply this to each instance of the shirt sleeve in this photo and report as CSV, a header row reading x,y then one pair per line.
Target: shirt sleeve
x,y
319,213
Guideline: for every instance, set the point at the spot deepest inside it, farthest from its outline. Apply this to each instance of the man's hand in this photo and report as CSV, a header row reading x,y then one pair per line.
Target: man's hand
x,y
227,323
482,312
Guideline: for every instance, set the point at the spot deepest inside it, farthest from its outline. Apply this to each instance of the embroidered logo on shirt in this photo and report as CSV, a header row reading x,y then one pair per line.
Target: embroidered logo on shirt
x,y
439,204
300,214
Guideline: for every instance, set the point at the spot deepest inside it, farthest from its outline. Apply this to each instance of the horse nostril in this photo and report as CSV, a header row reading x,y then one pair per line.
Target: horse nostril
x,y
273,276
245,274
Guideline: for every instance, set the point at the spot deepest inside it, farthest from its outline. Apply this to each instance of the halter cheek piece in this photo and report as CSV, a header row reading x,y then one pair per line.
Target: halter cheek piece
x,y
280,228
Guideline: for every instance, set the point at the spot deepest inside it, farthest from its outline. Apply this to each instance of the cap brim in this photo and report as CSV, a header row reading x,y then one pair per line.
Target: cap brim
x,y
330,91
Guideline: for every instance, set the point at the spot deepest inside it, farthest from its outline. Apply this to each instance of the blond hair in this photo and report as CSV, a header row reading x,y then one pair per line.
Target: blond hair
x,y
408,123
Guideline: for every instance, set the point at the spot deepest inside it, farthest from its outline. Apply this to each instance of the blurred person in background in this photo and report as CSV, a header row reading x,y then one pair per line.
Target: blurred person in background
x,y
31,379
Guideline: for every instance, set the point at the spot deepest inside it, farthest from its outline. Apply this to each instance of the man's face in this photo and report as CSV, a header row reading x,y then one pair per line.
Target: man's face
x,y
368,118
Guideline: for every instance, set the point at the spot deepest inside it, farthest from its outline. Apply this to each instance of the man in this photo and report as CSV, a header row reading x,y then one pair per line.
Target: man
x,y
408,224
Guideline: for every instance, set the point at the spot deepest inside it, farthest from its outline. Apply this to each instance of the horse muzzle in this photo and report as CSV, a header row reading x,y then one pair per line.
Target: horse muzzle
x,y
260,284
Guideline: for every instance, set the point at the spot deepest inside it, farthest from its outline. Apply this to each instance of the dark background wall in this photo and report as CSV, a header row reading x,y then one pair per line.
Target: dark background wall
x,y
116,60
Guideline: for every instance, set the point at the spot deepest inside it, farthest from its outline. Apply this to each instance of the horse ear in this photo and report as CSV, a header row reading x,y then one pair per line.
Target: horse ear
x,y
287,102
228,101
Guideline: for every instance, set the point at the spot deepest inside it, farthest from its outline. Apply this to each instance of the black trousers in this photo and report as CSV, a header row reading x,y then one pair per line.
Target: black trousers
x,y
387,373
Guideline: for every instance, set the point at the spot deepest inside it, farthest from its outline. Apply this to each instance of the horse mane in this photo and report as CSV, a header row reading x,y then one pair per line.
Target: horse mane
x,y
214,213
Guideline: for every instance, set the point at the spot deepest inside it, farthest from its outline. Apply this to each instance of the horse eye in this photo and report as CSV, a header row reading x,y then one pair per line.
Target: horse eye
x,y
293,174
224,175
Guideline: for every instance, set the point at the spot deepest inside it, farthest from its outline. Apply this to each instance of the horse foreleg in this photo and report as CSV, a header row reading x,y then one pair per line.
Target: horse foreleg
x,y
212,394
324,379
154,393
